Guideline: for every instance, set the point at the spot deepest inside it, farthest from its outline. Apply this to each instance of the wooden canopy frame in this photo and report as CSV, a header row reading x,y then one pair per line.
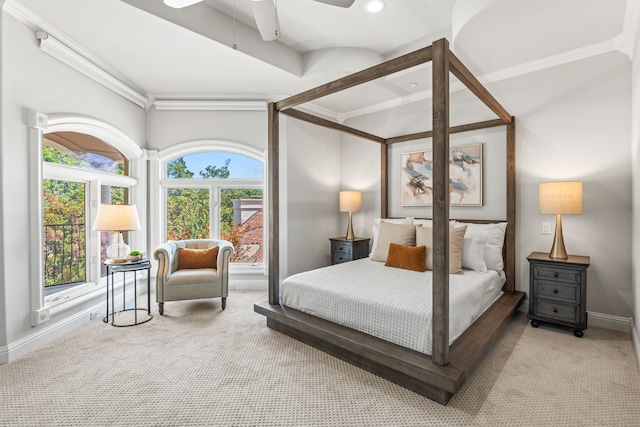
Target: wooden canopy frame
x,y
440,375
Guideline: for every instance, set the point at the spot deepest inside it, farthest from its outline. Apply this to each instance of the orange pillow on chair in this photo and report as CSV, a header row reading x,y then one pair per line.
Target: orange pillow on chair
x,y
197,258
407,257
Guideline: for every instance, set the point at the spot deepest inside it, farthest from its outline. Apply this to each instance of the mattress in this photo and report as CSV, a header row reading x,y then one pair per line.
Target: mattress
x,y
389,303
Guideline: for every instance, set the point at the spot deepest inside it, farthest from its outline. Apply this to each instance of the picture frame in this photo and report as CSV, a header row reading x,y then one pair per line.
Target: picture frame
x,y
465,176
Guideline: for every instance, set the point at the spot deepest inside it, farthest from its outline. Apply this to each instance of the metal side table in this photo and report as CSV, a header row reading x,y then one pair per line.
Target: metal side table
x,y
128,316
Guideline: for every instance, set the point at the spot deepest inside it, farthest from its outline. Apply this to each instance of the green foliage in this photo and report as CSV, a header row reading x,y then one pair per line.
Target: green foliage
x,y
217,172
187,213
135,253
64,234
177,168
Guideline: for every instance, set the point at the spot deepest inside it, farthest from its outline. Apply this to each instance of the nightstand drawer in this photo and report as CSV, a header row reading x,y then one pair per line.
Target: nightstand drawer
x,y
341,248
557,291
557,310
338,258
556,273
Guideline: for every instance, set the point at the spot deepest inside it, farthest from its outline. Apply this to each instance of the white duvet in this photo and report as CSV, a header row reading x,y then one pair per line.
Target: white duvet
x,y
390,303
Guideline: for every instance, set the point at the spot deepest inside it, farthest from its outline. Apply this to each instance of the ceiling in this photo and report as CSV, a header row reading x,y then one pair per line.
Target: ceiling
x,y
167,53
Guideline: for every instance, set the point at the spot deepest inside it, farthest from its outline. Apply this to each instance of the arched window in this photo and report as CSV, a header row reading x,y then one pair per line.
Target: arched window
x,y
79,163
214,192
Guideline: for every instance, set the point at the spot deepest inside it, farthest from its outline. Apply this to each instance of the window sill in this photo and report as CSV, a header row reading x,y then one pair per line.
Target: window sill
x,y
238,268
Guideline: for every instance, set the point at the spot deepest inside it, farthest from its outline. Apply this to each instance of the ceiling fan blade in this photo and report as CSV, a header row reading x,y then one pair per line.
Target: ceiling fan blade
x,y
264,12
179,4
339,3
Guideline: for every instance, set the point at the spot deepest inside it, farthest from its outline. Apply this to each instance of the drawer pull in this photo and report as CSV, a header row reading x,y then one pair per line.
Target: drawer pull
x,y
555,291
555,274
555,310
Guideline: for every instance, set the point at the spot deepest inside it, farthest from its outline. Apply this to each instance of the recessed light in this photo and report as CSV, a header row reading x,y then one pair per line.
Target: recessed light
x,y
412,85
374,6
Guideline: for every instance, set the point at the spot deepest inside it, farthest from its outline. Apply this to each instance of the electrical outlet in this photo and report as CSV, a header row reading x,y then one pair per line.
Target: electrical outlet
x,y
546,228
39,316
94,315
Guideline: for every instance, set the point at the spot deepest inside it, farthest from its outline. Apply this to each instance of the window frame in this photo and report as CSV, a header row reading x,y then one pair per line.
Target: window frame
x,y
214,185
39,124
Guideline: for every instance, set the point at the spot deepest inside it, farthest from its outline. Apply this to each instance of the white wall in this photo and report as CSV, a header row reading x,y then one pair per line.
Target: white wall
x,y
635,162
360,170
313,166
574,124
168,128
32,80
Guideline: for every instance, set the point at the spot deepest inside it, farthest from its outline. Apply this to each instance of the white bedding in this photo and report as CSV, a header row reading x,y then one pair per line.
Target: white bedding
x,y
390,303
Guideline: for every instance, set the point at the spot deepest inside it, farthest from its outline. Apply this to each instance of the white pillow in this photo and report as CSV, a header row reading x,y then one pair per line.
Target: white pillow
x,y
376,228
494,234
473,252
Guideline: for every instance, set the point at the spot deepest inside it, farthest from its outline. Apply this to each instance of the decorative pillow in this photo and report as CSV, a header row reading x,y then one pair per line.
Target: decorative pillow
x,y
376,228
407,257
197,258
401,234
473,252
494,241
424,236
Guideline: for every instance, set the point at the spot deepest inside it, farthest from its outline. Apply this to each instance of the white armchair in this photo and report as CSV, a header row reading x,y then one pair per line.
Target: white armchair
x,y
173,284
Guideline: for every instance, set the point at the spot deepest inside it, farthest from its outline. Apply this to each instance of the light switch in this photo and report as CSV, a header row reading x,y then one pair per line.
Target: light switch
x,y
546,228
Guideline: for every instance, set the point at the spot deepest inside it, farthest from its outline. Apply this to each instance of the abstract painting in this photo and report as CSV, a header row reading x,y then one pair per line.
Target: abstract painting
x,y
465,177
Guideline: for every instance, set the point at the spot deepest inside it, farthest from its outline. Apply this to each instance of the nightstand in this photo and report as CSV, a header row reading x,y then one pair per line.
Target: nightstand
x,y
343,250
558,291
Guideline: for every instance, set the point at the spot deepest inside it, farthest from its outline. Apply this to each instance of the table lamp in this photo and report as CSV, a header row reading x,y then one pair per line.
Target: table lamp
x,y
117,218
560,198
350,201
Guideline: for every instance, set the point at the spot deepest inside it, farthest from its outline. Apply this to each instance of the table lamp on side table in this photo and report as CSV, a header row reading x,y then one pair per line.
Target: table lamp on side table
x,y
117,218
560,198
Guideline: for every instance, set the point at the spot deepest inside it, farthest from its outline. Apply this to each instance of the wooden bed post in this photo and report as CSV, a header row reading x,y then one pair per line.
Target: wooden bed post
x,y
274,204
440,324
510,237
384,181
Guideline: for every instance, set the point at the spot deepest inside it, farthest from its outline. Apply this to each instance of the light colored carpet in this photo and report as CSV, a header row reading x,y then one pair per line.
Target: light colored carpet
x,y
200,366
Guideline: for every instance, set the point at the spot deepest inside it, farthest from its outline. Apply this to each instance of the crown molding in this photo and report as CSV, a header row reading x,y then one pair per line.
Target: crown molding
x,y
55,43
209,105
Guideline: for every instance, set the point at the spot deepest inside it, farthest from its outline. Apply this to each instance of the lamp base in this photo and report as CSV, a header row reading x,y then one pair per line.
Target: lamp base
x,y
557,250
350,234
118,250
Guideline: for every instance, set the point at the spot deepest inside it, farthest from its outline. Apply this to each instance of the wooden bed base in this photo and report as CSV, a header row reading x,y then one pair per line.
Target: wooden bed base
x,y
408,368
440,375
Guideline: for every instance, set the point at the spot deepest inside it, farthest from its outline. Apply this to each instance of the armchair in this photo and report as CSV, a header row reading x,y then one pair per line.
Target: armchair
x,y
174,284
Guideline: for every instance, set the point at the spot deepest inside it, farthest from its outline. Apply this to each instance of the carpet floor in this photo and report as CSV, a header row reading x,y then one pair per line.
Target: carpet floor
x,y
200,366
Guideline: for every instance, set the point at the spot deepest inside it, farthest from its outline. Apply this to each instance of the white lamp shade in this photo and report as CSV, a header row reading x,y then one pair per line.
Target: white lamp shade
x,y
117,218
562,197
350,201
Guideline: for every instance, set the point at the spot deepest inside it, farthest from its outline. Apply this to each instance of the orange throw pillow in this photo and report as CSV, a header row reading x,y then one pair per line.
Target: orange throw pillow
x,y
197,258
407,257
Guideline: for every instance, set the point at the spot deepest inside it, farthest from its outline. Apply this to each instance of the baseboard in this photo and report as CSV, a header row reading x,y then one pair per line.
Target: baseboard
x,y
600,320
254,285
47,334
636,341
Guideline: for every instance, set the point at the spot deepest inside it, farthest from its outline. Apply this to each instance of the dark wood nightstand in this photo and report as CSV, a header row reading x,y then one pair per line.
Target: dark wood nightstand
x,y
343,250
558,291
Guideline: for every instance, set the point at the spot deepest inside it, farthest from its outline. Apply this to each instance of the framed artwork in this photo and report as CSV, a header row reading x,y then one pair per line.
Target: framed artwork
x,y
465,177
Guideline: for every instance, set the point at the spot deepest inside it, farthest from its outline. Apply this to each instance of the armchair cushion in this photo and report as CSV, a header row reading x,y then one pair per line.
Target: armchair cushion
x,y
197,258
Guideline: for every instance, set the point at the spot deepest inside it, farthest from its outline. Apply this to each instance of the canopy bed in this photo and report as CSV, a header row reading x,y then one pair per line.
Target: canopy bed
x,y
439,374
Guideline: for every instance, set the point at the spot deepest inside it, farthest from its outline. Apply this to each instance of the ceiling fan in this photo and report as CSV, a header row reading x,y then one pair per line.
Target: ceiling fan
x,y
264,12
